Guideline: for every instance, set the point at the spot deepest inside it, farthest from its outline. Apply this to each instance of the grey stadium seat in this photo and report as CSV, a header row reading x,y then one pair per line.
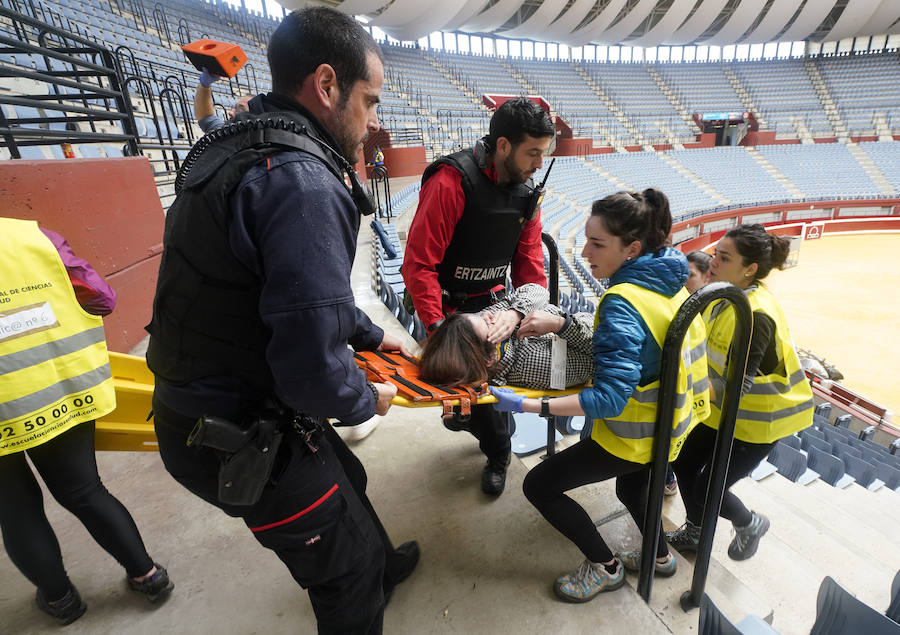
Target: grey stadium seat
x,y
839,613
830,468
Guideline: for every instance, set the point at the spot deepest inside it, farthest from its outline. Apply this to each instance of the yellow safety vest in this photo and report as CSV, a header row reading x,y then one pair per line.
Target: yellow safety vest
x,y
630,434
778,404
54,367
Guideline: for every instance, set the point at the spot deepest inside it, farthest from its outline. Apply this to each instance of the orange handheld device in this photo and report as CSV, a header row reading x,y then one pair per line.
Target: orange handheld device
x,y
219,58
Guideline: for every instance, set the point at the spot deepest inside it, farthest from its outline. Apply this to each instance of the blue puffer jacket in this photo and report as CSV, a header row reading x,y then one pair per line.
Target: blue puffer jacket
x,y
625,353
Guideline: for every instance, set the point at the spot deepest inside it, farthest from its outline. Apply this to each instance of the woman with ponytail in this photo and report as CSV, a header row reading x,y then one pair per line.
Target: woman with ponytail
x,y
776,399
627,241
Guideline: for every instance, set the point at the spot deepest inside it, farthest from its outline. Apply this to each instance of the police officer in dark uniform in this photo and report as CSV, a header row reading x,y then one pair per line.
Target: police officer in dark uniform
x,y
478,214
253,314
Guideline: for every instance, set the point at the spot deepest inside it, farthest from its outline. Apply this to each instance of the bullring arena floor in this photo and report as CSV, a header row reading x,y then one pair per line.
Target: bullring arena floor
x,y
843,303
487,565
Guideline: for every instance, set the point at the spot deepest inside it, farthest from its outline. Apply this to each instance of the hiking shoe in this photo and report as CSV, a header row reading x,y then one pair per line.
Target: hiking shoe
x,y
588,580
746,539
632,562
493,477
685,538
65,610
155,588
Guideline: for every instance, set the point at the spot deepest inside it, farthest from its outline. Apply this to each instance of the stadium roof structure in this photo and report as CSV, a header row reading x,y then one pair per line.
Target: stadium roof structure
x,y
631,22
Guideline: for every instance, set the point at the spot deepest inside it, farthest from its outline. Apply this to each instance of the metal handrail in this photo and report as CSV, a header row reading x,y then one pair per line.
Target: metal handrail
x,y
553,289
668,378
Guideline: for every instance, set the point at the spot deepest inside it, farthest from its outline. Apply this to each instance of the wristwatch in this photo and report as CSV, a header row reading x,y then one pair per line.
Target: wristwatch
x,y
374,390
545,406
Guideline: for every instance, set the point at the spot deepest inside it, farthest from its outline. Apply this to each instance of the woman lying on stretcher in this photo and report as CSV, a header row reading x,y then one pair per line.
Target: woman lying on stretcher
x,y
458,352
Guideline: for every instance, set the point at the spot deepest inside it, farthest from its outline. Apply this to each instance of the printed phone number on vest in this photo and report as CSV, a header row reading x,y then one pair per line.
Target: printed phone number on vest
x,y
26,430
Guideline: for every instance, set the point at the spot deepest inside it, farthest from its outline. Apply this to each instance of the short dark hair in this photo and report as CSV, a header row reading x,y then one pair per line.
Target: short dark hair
x,y
517,117
642,216
308,38
700,259
755,244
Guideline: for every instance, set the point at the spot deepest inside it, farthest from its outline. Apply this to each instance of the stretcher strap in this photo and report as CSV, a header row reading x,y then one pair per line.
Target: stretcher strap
x,y
403,372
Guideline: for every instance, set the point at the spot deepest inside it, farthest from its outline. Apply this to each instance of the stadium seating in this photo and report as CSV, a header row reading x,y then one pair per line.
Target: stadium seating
x,y
791,463
893,610
830,468
839,613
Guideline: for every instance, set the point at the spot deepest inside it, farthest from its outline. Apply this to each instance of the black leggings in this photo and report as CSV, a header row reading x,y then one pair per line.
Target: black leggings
x,y
693,467
69,468
583,463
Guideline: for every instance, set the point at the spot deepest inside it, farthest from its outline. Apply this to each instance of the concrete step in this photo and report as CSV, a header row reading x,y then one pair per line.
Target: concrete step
x,y
805,543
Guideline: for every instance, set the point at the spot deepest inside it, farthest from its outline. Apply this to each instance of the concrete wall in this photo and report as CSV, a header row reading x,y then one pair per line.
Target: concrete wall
x,y
109,212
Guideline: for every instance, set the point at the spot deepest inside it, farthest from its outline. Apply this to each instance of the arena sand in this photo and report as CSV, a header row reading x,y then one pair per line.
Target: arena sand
x,y
842,302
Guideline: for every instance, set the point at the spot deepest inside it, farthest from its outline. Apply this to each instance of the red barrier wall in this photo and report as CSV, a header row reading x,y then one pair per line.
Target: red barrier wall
x,y
831,225
405,161
109,212
578,147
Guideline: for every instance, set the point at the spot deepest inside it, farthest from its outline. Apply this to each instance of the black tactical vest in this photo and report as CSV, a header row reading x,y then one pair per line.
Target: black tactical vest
x,y
206,309
485,239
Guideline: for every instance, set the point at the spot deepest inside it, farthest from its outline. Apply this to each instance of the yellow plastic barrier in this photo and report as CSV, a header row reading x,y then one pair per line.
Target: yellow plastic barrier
x,y
126,429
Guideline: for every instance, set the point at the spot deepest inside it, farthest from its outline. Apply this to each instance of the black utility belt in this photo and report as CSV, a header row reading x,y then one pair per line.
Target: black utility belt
x,y
247,451
458,298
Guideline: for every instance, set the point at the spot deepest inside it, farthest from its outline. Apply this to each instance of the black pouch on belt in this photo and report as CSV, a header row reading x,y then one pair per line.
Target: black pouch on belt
x,y
246,453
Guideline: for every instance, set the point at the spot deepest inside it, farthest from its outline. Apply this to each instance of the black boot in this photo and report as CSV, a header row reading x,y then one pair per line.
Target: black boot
x,y
400,564
493,478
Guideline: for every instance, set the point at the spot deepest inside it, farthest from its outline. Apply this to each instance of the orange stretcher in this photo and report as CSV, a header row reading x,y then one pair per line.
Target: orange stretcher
x,y
129,427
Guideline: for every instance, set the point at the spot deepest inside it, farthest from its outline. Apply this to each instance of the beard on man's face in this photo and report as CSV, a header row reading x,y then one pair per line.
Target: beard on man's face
x,y
348,143
515,174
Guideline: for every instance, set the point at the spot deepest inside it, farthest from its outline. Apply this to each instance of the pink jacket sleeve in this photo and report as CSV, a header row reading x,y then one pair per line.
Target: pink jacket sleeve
x,y
93,293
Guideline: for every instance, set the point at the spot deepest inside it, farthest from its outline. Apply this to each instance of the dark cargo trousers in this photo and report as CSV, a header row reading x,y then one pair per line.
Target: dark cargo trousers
x,y
315,517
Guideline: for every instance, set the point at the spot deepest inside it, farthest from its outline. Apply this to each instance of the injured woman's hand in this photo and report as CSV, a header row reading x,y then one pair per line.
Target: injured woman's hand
x,y
501,324
540,322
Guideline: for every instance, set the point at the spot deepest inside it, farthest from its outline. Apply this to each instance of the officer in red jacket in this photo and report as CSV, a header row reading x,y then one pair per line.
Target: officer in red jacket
x,y
478,214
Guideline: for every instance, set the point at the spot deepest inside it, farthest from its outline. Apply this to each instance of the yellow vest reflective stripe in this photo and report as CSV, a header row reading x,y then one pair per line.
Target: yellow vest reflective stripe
x,y
777,404
54,366
629,435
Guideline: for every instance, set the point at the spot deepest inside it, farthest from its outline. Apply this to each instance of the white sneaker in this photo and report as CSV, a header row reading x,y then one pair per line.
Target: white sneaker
x,y
359,431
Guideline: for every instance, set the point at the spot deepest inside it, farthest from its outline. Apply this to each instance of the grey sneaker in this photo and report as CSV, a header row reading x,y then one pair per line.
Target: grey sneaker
x,y
746,539
587,582
632,562
685,538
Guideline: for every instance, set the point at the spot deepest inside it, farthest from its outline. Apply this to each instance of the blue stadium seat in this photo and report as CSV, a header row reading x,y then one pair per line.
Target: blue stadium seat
x,y
864,472
812,432
830,468
530,434
808,441
823,412
839,613
843,421
893,610
839,448
792,441
713,621
791,463
889,474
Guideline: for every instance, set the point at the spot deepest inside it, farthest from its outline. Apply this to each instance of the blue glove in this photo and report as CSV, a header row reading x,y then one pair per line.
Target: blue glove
x,y
207,79
507,400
